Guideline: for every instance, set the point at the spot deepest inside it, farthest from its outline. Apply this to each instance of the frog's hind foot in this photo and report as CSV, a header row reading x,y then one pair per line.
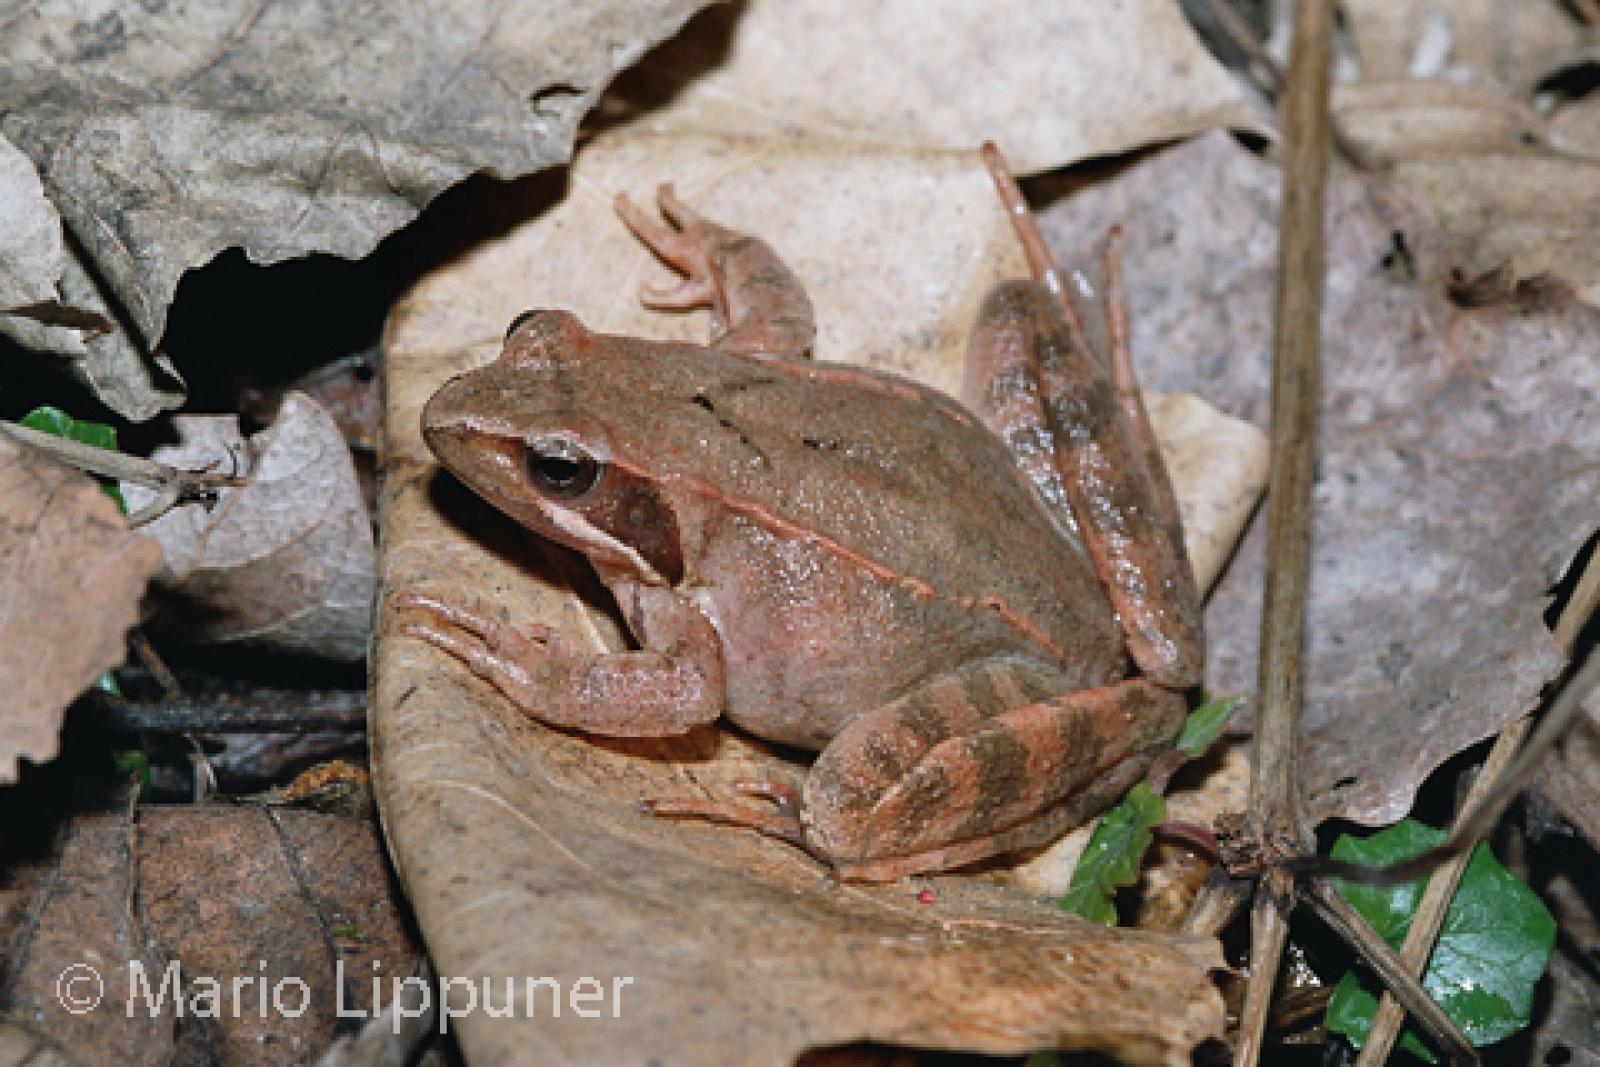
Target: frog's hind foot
x,y
782,823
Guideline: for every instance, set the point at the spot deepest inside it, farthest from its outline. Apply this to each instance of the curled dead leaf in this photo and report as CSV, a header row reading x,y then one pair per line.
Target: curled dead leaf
x,y
286,561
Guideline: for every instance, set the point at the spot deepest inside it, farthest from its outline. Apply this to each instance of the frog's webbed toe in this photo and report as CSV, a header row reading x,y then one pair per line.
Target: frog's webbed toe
x,y
781,822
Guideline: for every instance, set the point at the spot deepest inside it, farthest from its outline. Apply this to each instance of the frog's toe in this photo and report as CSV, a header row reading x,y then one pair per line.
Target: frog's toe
x,y
783,823
694,292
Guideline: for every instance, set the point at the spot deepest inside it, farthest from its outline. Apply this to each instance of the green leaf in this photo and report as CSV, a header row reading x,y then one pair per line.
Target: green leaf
x,y
1204,725
55,421
1111,859
135,764
1495,943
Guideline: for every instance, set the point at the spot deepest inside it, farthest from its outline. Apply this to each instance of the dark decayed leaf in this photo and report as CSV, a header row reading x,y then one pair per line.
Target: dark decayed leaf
x,y
1495,942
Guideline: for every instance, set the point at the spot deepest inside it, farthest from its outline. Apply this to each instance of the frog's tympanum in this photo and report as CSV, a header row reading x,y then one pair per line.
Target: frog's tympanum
x,y
982,616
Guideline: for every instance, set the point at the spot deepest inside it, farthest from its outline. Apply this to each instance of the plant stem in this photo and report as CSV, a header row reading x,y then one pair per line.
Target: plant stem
x,y
1274,783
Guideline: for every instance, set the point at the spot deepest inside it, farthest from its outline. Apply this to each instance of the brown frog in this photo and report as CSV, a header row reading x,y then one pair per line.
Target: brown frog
x,y
943,600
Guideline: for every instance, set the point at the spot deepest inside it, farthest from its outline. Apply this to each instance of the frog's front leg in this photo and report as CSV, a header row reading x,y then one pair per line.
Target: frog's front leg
x,y
666,689
930,781
758,307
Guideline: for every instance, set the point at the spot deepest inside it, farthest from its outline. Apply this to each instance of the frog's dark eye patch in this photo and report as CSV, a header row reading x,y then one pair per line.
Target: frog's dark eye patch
x,y
521,320
561,468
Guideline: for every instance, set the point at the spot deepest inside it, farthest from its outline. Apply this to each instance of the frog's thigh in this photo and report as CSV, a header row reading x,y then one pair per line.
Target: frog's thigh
x,y
984,787
1055,407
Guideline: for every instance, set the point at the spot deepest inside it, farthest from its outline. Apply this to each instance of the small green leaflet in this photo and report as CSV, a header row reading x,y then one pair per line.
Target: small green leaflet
x,y
55,421
1204,725
1495,942
1111,859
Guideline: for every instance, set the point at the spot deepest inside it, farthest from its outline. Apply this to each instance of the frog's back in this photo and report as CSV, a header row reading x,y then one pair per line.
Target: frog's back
x,y
870,527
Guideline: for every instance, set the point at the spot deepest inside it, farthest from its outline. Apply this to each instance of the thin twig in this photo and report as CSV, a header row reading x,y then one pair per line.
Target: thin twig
x,y
1348,923
1275,808
1435,903
171,484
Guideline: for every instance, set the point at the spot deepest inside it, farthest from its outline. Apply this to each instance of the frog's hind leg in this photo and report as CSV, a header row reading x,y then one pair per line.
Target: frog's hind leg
x,y
758,307
1077,427
882,808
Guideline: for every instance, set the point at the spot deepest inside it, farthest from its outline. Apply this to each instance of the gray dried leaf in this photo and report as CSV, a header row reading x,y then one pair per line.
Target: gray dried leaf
x,y
285,562
1458,469
164,134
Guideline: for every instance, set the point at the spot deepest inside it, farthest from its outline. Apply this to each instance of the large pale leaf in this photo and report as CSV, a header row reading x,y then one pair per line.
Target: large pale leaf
x,y
165,133
523,849
1459,464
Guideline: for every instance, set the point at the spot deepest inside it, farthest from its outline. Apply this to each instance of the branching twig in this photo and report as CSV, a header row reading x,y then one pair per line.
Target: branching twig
x,y
172,486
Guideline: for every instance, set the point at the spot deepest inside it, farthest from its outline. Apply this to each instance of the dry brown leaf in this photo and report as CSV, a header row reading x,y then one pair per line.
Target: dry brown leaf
x,y
1570,779
285,562
522,848
71,575
1459,465
232,893
1057,83
1490,41
72,960
167,133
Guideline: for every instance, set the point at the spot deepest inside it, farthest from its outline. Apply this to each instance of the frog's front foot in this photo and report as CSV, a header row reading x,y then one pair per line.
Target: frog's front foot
x,y
500,653
783,822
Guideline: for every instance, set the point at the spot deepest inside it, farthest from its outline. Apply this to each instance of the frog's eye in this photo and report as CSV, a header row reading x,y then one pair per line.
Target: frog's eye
x,y
520,321
561,468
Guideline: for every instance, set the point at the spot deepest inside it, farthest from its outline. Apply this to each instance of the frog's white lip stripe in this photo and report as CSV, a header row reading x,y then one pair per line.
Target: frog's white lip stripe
x,y
580,534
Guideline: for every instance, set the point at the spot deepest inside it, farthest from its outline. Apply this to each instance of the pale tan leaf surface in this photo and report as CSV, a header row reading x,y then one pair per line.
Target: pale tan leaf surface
x,y
522,848
166,133
1491,41
71,575
1459,466
285,562
234,894
1056,83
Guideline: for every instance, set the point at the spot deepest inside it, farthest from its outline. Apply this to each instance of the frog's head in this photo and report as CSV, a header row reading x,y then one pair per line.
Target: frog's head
x,y
522,433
